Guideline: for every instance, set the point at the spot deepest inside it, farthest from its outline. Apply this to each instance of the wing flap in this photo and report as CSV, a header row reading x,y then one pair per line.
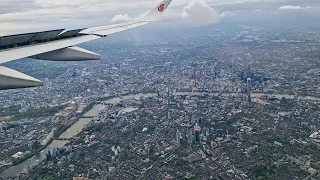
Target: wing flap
x,y
47,35
71,33
11,79
68,54
15,40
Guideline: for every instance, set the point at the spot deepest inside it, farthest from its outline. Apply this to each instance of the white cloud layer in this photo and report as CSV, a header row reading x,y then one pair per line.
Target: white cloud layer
x,y
290,7
121,18
53,14
227,14
199,12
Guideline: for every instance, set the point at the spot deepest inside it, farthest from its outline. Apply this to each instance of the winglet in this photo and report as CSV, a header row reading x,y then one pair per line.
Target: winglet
x,y
157,11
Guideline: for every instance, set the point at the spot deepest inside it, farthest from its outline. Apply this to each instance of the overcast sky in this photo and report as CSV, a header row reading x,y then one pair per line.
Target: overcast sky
x,y
27,15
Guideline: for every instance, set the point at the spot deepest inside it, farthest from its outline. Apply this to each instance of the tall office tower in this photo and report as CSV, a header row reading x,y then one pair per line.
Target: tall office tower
x,y
197,130
227,135
178,137
249,89
197,136
190,136
146,149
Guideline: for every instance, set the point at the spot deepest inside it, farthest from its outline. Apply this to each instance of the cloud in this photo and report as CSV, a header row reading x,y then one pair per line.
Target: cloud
x,y
171,17
252,2
121,18
18,6
290,7
6,28
227,14
294,7
199,12
142,15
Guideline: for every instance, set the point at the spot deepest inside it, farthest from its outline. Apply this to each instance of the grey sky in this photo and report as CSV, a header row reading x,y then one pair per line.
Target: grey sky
x,y
19,15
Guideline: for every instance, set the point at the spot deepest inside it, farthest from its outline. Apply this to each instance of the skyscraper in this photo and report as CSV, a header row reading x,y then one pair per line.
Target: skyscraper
x,y
249,90
1,127
146,149
197,136
227,135
178,137
197,130
190,137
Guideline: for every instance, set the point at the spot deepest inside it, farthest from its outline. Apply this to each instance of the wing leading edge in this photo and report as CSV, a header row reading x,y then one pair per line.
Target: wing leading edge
x,y
57,45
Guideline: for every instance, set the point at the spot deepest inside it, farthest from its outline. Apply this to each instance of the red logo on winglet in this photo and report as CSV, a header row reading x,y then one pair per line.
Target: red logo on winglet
x,y
161,8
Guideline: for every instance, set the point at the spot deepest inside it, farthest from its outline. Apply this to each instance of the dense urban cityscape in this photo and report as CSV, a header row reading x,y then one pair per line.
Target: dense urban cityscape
x,y
241,102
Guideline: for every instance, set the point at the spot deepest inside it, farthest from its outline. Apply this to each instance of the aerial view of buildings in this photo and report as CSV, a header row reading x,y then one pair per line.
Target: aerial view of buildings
x,y
217,102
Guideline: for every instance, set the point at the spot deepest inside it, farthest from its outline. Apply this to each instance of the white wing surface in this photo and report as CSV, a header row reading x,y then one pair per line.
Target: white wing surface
x,y
58,45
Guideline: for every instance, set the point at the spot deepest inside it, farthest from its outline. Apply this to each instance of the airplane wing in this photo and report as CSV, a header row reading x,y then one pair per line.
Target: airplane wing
x,y
58,45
